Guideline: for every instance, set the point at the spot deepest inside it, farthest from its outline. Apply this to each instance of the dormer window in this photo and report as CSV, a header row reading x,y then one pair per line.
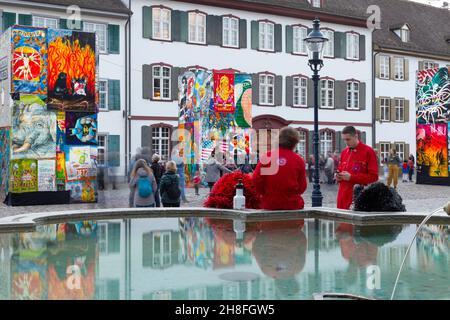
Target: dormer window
x,y
403,32
316,3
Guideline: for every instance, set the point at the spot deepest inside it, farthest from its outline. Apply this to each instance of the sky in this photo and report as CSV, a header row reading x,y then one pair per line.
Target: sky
x,y
437,3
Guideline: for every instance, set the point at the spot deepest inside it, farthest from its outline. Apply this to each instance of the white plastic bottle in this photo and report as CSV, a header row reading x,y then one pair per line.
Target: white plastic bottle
x,y
239,198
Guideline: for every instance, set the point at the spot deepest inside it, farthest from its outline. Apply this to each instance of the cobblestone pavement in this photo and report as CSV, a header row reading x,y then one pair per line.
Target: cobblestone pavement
x,y
417,198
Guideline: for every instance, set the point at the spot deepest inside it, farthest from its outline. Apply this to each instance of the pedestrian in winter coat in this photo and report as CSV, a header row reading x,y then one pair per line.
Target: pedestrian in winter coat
x,y
394,163
181,175
169,187
141,178
213,169
158,171
329,169
281,184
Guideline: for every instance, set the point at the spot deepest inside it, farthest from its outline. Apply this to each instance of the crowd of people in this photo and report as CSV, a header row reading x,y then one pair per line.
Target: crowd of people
x,y
392,166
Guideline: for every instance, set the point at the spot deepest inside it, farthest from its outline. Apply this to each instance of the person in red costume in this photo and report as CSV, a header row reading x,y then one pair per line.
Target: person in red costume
x,y
280,176
358,165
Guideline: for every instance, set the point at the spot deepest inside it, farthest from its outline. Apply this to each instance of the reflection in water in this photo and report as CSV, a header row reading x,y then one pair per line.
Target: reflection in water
x,y
201,258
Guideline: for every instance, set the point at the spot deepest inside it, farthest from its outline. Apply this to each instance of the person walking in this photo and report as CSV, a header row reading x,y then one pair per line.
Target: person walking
x,y
143,185
197,182
178,159
158,171
411,165
283,188
311,163
329,169
169,187
358,165
405,170
393,162
213,170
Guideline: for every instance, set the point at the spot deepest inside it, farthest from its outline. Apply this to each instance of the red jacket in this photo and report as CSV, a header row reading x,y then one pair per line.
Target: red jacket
x,y
362,164
282,190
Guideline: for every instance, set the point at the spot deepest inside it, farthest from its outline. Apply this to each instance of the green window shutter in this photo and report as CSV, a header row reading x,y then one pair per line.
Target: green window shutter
x,y
113,150
337,139
147,82
242,33
25,19
289,91
214,30
146,138
340,94
340,45
362,96
406,111
174,79
255,89
362,48
113,95
9,19
278,90
255,35
113,39
63,23
278,38
184,26
406,69
289,39
392,110
147,22
175,17
364,137
377,66
378,109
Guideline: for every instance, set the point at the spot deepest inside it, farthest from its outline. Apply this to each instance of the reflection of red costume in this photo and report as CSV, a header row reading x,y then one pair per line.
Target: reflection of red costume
x,y
283,190
362,164
362,253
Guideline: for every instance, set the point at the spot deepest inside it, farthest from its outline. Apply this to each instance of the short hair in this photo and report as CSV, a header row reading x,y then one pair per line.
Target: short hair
x,y
349,130
156,157
289,138
171,166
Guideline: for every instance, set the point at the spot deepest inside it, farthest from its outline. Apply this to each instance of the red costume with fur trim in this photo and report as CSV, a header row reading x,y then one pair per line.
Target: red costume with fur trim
x,y
282,190
361,162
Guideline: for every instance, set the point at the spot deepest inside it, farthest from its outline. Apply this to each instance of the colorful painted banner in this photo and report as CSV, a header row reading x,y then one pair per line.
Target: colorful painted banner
x,y
239,141
433,96
4,161
80,163
432,149
448,133
29,60
83,190
60,131
186,84
71,70
23,176
243,98
46,175
60,171
81,128
224,92
33,129
203,91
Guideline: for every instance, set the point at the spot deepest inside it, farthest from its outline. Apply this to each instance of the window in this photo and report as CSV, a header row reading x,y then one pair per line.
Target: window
x,y
197,27
300,33
266,89
429,65
385,112
399,110
399,65
231,32
42,22
353,46
101,149
327,94
301,146
100,30
353,95
384,150
161,23
404,34
300,91
384,67
161,83
162,249
326,142
400,147
160,141
103,94
316,3
109,238
328,50
266,36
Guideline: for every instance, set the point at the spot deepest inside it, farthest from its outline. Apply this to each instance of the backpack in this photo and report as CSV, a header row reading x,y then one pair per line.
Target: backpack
x,y
174,191
144,187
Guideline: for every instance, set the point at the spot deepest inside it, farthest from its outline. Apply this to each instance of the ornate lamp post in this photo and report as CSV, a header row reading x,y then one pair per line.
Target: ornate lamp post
x,y
315,43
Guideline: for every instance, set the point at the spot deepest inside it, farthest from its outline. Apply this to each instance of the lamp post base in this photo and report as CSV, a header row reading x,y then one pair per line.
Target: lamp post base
x,y
316,197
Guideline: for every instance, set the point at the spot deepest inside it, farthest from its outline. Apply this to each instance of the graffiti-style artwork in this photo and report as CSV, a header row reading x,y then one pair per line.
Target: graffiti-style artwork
x,y
4,161
60,171
432,149
60,131
239,141
186,83
46,175
448,133
216,125
83,190
23,176
80,163
243,98
29,60
198,240
224,249
71,70
81,128
5,78
203,91
433,96
224,92
33,129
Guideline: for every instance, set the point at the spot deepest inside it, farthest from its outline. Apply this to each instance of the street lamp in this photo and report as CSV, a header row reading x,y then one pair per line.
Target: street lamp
x,y
315,43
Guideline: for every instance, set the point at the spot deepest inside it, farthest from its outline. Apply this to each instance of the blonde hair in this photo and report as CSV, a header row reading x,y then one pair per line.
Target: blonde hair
x,y
141,163
171,166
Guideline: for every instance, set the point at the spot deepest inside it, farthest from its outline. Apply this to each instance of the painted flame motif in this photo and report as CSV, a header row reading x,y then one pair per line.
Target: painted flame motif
x,y
76,61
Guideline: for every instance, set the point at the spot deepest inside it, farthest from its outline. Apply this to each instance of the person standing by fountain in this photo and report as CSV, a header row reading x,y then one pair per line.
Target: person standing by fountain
x,y
358,165
394,164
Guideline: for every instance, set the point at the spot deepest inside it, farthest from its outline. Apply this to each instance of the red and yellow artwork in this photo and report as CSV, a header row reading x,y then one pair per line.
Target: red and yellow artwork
x,y
432,151
224,92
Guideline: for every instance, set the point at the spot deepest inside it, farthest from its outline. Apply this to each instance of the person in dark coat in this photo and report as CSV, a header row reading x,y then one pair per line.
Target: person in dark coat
x,y
158,171
169,187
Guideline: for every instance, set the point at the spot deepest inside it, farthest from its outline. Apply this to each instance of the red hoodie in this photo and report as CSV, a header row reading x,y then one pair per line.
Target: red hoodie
x,y
362,164
282,190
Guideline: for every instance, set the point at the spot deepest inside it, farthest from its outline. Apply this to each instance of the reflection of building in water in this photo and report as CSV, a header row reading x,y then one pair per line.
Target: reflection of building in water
x,y
5,266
